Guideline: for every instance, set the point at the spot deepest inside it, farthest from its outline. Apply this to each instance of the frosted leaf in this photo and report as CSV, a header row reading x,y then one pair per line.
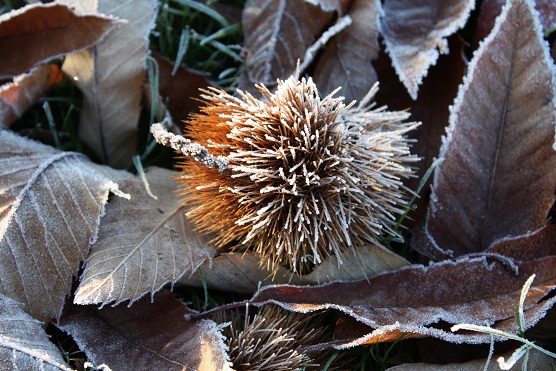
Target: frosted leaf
x,y
243,273
409,302
497,174
143,244
277,34
415,33
39,32
346,60
50,205
23,343
154,336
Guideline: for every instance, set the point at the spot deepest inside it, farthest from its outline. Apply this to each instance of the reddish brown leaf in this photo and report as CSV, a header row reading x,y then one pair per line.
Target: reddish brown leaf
x,y
415,300
346,60
148,336
277,35
39,32
18,96
490,9
415,33
180,90
497,174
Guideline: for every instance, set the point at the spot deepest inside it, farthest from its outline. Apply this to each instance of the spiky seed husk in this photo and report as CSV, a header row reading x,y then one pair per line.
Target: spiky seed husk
x,y
271,339
308,177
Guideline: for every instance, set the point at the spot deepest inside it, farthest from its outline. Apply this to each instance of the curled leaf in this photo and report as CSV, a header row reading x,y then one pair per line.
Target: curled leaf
x,y
25,90
419,301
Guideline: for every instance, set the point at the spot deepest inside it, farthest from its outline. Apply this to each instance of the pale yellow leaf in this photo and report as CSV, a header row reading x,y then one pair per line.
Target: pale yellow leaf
x,y
243,273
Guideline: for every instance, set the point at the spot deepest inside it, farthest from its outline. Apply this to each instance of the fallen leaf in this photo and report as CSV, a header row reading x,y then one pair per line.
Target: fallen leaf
x,y
536,361
496,177
419,301
180,91
18,96
415,33
346,60
111,76
50,205
276,36
490,9
148,336
23,343
39,32
143,243
243,272
529,246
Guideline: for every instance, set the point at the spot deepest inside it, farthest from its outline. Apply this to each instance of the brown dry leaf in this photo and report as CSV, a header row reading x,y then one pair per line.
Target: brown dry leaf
x,y
243,273
39,32
422,301
50,205
346,61
23,343
497,174
18,96
415,33
111,75
536,361
277,35
143,243
154,336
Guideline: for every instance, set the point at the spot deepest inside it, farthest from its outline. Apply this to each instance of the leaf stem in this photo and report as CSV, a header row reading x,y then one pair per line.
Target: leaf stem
x,y
189,148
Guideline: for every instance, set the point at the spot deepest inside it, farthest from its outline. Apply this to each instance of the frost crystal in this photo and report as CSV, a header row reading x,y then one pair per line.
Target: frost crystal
x,y
307,177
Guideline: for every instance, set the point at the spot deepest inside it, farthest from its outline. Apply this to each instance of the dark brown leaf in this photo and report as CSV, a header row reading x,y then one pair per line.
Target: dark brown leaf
x,y
415,33
497,174
277,35
148,336
346,60
18,96
415,301
39,32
